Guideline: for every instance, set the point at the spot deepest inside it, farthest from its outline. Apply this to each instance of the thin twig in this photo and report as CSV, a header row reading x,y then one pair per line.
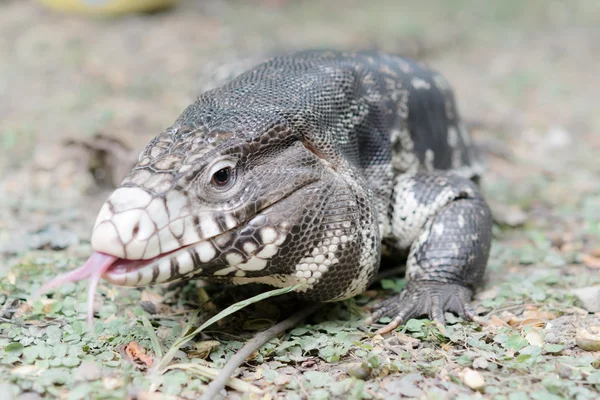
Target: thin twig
x,y
512,307
253,345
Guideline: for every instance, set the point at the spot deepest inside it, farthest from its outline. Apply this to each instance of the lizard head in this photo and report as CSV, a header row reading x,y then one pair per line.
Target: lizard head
x,y
194,202
215,202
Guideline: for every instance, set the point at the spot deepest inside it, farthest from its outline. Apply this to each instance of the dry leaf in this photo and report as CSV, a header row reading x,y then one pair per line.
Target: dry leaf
x,y
137,353
151,296
47,306
370,293
506,316
591,261
539,323
496,321
403,338
203,349
447,346
377,339
534,339
544,315
22,309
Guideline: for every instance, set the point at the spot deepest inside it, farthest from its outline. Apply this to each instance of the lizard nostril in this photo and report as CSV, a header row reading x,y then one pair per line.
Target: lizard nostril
x,y
136,229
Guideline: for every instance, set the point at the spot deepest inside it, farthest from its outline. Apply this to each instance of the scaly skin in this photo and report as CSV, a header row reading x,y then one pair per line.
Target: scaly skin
x,y
296,172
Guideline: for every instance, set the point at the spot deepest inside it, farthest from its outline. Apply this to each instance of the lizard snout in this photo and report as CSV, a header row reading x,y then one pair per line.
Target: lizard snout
x,y
134,225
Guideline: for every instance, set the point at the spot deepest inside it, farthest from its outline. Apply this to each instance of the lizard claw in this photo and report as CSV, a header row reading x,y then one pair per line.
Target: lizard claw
x,y
424,298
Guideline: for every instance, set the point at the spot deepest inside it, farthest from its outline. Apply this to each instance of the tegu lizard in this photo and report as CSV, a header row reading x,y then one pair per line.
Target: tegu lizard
x,y
306,169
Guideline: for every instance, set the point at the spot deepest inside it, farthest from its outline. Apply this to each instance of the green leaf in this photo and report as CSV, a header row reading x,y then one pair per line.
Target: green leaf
x,y
269,374
60,350
54,332
31,352
554,348
395,285
15,349
71,361
299,331
515,342
414,325
44,351
518,396
80,392
78,327
531,350
594,377
522,358
318,379
55,307
545,396
501,338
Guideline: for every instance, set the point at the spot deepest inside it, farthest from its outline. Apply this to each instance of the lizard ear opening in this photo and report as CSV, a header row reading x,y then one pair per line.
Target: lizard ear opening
x,y
313,149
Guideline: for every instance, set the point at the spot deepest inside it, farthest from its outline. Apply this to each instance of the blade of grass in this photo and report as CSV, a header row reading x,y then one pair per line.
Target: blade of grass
x,y
184,338
153,338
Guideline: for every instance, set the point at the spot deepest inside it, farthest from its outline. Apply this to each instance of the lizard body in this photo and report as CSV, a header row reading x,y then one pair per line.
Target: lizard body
x,y
306,169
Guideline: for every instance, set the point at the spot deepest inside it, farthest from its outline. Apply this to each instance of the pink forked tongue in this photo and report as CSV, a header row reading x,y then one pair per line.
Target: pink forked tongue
x,y
93,268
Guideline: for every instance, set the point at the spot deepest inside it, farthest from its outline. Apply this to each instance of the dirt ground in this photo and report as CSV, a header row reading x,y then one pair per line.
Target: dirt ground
x,y
79,97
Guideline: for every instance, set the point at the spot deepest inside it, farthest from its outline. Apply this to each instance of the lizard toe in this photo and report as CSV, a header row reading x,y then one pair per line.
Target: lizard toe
x,y
424,298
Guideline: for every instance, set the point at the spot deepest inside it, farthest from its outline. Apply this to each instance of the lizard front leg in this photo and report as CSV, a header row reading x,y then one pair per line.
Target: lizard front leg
x,y
446,224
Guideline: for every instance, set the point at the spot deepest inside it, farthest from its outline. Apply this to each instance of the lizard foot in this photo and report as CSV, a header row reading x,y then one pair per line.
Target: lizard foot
x,y
424,298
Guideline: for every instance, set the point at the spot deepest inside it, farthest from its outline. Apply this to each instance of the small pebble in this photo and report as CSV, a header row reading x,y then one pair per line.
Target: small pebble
x,y
148,306
564,371
586,340
360,371
473,379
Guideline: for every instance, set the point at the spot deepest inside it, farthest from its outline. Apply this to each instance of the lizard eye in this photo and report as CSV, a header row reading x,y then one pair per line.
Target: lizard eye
x,y
222,174
222,177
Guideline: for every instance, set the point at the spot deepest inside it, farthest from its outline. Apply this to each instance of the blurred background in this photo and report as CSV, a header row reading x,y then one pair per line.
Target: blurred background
x,y
85,84
83,88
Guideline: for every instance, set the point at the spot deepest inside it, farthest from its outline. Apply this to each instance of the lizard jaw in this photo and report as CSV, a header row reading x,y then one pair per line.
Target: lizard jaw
x,y
124,272
166,267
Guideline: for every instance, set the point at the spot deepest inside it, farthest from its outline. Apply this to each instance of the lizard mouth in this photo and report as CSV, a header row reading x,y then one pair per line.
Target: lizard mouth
x,y
121,272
